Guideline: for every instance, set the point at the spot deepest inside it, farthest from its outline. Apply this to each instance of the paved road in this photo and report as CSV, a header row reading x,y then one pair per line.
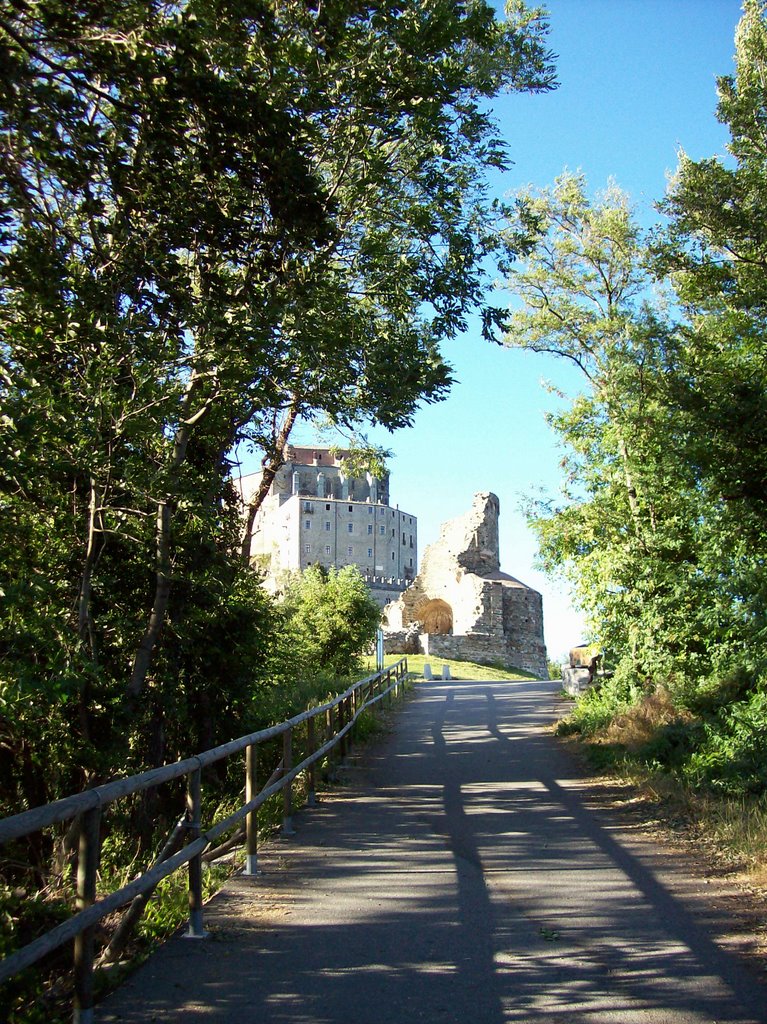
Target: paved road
x,y
459,876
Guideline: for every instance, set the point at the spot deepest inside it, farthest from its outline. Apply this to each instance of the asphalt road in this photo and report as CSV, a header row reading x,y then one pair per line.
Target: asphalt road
x,y
461,874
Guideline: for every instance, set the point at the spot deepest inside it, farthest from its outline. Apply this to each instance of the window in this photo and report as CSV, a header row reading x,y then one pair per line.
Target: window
x,y
383,530
350,527
411,563
370,553
307,524
392,556
411,540
307,506
327,526
370,510
383,510
350,551
351,508
403,539
327,506
370,528
307,549
327,552
393,531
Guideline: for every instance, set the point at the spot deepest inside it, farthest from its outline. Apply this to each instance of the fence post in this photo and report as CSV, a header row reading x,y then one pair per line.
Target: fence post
x,y
311,798
193,811
87,870
287,792
341,745
251,822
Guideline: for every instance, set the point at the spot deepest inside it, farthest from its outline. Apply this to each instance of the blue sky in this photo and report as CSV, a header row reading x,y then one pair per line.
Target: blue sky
x,y
637,82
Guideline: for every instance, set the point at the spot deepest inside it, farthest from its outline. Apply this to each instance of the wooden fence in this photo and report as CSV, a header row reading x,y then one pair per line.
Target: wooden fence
x,y
325,728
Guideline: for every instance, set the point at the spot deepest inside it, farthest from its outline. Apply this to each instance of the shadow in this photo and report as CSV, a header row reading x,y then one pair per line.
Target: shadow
x,y
458,876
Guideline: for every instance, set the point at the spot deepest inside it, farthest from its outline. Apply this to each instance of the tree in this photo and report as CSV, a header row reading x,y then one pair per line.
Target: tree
x,y
716,249
213,220
629,535
332,619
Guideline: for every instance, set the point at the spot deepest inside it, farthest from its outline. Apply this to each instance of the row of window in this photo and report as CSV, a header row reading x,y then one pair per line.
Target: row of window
x,y
349,551
309,507
350,529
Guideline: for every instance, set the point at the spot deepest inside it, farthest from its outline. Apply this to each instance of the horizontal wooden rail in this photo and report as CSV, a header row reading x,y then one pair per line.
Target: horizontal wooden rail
x,y
94,800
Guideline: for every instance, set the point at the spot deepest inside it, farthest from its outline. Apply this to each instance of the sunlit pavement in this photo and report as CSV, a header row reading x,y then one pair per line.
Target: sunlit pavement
x,y
459,875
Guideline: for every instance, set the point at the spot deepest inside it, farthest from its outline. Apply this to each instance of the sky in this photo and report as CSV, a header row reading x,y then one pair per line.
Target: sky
x,y
637,82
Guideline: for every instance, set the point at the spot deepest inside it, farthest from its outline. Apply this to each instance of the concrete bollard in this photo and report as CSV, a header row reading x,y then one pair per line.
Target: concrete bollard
x,y
427,671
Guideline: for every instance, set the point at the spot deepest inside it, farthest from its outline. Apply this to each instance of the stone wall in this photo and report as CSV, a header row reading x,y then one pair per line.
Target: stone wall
x,y
468,607
484,650
523,629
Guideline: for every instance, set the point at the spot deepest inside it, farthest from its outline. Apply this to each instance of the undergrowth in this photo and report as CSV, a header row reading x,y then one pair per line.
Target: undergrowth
x,y
707,737
42,994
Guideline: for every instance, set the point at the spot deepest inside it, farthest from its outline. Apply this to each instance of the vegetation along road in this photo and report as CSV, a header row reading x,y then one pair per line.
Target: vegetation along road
x,y
462,873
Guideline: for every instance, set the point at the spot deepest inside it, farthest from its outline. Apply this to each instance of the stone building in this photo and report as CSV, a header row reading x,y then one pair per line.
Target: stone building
x,y
463,606
317,513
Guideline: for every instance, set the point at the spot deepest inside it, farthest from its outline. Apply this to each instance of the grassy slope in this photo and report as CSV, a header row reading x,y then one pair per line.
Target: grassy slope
x,y
458,669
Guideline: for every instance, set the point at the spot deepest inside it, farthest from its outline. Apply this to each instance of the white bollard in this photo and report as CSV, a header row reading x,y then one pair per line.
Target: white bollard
x,y
427,671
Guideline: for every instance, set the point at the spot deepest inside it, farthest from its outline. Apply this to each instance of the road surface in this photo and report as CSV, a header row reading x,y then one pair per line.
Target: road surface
x,y
459,875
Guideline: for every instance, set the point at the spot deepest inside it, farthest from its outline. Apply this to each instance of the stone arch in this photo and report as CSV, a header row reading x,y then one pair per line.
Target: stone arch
x,y
436,616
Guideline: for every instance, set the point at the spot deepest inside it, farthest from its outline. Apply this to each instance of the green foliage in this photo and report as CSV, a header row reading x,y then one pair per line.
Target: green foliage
x,y
214,218
597,707
207,218
331,619
661,526
732,755
212,221
712,736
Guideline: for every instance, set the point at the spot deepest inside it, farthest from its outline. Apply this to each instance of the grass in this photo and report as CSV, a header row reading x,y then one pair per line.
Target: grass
x,y
731,831
464,670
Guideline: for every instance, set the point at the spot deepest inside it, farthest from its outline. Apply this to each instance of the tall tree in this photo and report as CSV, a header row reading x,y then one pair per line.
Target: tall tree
x,y
716,249
214,218
628,535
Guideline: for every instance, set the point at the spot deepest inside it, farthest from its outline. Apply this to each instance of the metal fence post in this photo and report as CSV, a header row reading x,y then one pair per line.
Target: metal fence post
x,y
251,822
87,871
311,741
287,792
193,810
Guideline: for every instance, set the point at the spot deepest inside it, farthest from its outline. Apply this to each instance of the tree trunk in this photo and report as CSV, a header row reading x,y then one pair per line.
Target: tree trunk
x,y
145,650
143,657
274,459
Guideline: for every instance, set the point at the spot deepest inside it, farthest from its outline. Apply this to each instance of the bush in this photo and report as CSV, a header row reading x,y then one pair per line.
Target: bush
x,y
732,757
331,619
598,706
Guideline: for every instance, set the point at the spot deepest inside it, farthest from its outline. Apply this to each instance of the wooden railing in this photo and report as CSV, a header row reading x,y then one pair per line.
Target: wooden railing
x,y
336,719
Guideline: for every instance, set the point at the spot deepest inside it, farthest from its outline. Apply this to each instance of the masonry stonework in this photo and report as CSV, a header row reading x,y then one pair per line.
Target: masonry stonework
x,y
318,513
464,605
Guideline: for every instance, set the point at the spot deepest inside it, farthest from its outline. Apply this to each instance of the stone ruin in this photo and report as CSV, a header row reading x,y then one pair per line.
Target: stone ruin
x,y
462,606
582,670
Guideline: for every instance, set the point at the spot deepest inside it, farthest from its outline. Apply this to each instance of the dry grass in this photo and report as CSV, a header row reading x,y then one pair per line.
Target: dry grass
x,y
637,726
735,830
730,832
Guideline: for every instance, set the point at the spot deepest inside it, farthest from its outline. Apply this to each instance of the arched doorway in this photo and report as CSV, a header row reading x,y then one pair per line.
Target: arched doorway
x,y
436,616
